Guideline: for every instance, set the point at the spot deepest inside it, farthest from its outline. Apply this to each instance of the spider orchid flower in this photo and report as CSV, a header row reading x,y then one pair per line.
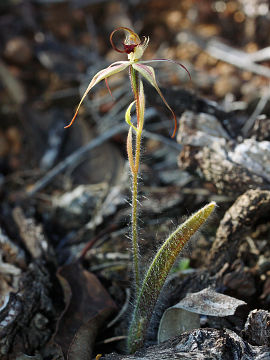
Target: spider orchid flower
x,y
134,48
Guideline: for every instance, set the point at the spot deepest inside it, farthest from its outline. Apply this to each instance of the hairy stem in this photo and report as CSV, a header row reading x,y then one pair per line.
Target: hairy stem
x,y
134,226
134,165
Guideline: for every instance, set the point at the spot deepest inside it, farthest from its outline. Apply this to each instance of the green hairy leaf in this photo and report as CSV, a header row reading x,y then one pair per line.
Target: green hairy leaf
x,y
158,272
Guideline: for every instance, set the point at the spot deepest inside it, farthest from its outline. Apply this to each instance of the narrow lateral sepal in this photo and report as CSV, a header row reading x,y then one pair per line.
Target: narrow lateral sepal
x,y
157,274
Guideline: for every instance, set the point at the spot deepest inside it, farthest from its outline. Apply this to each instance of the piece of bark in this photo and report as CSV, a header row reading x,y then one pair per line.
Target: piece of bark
x,y
24,320
254,156
238,220
257,328
209,151
200,344
227,176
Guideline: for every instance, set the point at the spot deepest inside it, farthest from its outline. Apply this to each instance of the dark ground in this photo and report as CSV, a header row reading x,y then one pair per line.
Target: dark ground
x,y
64,211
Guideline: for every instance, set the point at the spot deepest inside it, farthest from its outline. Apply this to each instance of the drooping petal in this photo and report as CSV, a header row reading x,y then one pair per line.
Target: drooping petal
x,y
162,60
101,75
149,74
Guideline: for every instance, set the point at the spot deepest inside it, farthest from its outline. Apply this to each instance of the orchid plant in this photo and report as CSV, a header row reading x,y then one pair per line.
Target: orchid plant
x,y
148,287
